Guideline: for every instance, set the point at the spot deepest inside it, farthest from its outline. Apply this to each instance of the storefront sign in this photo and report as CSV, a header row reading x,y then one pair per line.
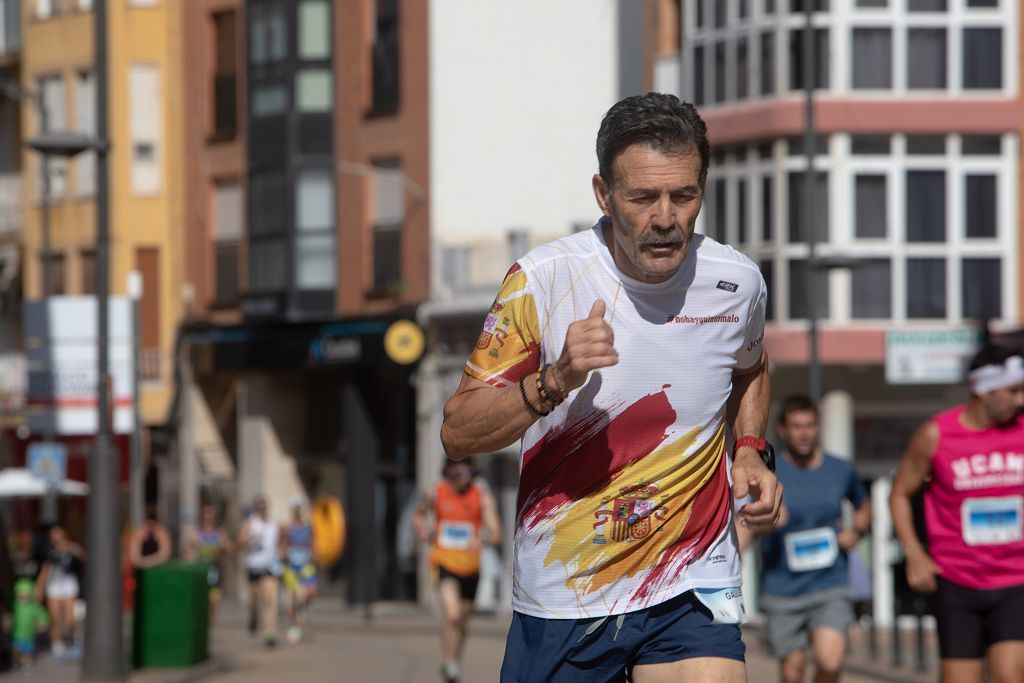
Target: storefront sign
x,y
929,356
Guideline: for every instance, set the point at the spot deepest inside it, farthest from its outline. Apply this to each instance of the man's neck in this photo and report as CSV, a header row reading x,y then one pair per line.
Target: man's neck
x,y
976,417
807,462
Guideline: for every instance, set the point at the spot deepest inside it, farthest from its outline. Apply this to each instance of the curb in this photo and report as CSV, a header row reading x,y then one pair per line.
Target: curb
x,y
213,666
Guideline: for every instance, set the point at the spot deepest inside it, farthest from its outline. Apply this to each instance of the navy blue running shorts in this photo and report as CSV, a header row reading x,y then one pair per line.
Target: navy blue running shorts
x,y
606,648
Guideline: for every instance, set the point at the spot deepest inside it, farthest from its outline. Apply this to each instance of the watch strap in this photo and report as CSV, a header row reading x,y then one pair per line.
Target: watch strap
x,y
752,441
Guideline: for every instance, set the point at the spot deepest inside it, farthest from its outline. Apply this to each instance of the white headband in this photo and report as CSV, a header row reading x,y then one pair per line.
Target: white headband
x,y
991,377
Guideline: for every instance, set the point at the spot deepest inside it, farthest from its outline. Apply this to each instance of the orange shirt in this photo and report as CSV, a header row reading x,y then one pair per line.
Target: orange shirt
x,y
458,518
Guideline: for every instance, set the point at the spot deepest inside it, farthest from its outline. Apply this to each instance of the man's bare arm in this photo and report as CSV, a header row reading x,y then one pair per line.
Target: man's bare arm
x,y
489,509
910,476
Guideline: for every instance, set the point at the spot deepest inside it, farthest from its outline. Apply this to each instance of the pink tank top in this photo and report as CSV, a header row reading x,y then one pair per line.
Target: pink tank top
x,y
973,503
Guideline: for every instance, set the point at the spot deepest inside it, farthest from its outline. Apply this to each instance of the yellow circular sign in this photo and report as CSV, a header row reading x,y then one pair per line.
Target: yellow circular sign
x,y
404,342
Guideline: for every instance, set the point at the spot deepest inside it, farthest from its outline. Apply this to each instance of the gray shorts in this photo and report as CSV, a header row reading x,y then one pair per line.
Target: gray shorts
x,y
789,621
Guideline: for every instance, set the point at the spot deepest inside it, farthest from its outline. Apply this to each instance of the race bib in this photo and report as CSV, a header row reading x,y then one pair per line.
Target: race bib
x,y
455,536
811,549
299,557
992,521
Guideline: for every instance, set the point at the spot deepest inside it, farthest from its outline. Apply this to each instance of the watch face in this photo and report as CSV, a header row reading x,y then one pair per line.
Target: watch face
x,y
768,456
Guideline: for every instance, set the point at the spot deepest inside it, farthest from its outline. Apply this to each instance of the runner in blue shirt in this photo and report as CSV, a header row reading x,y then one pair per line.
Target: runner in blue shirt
x,y
805,584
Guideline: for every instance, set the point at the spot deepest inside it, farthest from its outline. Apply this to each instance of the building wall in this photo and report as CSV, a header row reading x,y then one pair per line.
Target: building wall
x,y
63,45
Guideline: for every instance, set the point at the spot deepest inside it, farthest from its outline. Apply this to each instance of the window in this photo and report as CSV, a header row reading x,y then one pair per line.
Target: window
x,y
872,3
926,58
720,73
926,145
926,206
388,218
926,288
267,213
796,59
983,58
981,288
798,229
981,145
766,209
314,29
313,91
53,96
870,145
767,63
225,77
85,122
926,5
47,8
980,206
87,271
721,211
700,21
227,232
698,75
315,255
57,279
798,5
741,211
768,273
872,58
983,3
796,145
871,297
800,285
871,220
268,32
741,9
385,59
146,127
268,265
269,99
742,69
147,262
720,18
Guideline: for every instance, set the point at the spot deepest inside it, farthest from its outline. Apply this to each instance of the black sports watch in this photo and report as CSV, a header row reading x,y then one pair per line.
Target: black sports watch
x,y
761,446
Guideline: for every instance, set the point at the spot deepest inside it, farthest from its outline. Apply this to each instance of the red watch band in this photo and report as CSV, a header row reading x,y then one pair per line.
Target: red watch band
x,y
752,441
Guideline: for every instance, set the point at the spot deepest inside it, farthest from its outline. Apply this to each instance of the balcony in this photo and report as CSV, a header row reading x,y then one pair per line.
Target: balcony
x,y
10,204
10,27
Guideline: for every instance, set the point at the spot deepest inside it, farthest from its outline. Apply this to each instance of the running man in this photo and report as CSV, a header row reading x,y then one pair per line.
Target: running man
x,y
461,509
208,544
805,591
621,356
261,540
972,458
299,570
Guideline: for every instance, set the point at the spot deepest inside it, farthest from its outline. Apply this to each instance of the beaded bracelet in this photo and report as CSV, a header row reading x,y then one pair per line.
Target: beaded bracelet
x,y
522,392
542,388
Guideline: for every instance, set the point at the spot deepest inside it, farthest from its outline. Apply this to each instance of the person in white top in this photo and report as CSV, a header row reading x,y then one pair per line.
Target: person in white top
x,y
261,540
622,357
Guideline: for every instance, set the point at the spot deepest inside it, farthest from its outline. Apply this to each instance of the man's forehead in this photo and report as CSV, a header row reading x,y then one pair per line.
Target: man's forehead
x,y
641,162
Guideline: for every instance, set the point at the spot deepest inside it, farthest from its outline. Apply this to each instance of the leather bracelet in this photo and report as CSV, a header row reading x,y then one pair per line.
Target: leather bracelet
x,y
522,392
542,389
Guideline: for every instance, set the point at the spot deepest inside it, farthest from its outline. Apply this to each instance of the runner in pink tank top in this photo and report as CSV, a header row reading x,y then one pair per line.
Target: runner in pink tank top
x,y
972,458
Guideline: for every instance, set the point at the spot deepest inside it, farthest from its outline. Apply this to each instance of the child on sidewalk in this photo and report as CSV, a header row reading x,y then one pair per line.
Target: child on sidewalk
x,y
29,618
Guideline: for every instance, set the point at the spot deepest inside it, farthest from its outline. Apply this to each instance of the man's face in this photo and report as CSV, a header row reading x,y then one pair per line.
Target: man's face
x,y
1002,405
800,432
208,516
459,476
653,202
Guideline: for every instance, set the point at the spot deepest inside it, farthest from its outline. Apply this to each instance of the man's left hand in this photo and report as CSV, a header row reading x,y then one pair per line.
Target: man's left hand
x,y
751,477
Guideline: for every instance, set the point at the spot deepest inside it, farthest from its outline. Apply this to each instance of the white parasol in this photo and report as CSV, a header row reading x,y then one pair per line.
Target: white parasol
x,y
17,482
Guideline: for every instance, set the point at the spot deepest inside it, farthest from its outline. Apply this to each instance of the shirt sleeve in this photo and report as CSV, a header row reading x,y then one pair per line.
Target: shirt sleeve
x,y
855,491
509,344
750,354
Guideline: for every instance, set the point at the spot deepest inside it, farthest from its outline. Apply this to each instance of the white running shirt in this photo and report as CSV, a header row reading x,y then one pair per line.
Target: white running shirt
x,y
624,498
261,551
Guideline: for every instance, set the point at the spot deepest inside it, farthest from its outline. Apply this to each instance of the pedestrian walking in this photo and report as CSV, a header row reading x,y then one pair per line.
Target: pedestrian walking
x,y
805,582
58,583
621,357
464,514
261,538
970,461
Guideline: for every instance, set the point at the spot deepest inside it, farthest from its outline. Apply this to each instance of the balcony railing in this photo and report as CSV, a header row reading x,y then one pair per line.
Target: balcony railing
x,y
10,26
150,364
10,204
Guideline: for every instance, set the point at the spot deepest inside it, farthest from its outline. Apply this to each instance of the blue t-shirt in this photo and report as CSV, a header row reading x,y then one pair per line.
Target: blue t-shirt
x,y
814,500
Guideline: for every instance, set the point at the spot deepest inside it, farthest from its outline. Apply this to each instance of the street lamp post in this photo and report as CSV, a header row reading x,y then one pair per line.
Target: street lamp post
x,y
813,297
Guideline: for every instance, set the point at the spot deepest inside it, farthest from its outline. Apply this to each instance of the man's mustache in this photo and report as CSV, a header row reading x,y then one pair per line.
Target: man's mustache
x,y
661,237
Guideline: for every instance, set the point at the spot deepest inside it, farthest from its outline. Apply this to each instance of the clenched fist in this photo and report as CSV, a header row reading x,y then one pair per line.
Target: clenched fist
x,y
589,345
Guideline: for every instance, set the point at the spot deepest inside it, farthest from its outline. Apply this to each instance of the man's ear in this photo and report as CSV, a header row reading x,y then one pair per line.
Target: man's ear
x,y
602,193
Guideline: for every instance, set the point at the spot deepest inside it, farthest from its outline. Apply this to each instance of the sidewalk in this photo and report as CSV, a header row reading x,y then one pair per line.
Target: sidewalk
x,y
399,644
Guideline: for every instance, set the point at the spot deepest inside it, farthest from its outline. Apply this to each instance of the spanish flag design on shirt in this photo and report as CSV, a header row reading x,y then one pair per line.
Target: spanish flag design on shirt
x,y
624,498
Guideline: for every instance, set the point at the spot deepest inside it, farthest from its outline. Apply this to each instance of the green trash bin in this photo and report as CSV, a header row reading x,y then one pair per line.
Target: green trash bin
x,y
171,615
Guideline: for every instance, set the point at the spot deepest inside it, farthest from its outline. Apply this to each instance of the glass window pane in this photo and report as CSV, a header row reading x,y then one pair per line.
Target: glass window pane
x,y
980,205
268,265
314,200
720,75
387,260
698,75
226,273
314,29
315,262
796,59
799,288
721,211
767,63
720,17
870,144
926,144
983,3
227,211
768,273
981,288
926,5
872,3
872,58
926,206
926,288
767,202
871,207
926,62
741,8
267,211
269,99
313,92
796,145
742,69
798,231
983,58
981,145
741,211
872,289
